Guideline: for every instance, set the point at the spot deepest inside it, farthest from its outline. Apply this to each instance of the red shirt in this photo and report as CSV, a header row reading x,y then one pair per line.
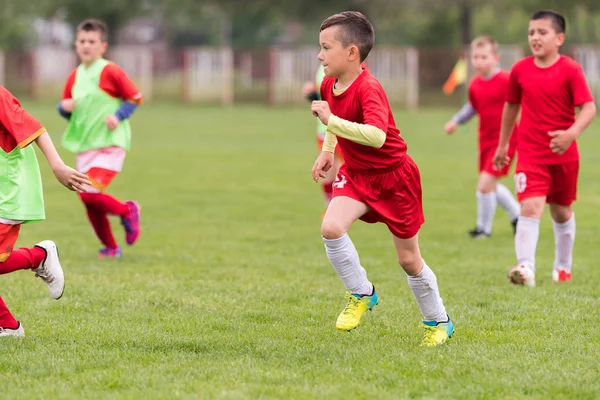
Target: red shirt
x,y
548,97
365,102
17,127
113,80
487,96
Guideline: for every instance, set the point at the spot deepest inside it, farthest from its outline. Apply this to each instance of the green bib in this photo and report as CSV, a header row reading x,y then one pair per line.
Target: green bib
x,y
321,127
86,129
21,197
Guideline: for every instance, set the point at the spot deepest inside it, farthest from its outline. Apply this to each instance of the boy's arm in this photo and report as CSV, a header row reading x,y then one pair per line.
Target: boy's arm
x,y
67,176
329,142
364,134
509,119
375,116
65,106
465,114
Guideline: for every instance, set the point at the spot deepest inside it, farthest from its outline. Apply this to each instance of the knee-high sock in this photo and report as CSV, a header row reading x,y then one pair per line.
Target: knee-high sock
x,y
486,208
6,318
564,240
507,201
23,258
526,238
343,256
425,289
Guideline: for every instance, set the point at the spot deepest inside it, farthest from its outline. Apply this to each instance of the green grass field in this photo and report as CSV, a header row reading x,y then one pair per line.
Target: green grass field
x,y
229,294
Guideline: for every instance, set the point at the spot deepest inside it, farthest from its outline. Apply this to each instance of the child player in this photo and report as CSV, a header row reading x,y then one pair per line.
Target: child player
x,y
311,90
98,100
21,200
487,92
546,87
378,181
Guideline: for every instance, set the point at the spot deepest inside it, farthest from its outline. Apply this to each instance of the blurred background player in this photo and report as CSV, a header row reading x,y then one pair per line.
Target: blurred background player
x,y
378,181
312,92
98,100
487,93
22,201
547,87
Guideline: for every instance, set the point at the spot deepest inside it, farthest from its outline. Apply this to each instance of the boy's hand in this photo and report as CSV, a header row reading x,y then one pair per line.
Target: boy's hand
x,y
450,127
111,122
323,164
71,179
308,88
68,105
321,110
561,140
501,158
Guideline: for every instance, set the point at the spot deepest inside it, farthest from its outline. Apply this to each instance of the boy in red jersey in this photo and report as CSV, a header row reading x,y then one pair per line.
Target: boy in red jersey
x,y
378,181
487,92
547,87
22,201
98,100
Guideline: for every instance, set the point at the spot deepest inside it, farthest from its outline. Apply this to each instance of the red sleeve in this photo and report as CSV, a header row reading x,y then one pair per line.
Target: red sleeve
x,y
373,102
116,82
580,89
69,85
18,123
513,95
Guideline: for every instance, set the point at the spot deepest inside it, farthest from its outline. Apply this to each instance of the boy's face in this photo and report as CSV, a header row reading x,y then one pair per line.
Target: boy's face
x,y
333,55
89,46
543,39
484,59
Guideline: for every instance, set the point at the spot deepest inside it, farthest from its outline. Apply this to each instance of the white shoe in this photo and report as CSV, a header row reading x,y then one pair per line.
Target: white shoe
x,y
19,332
50,270
522,275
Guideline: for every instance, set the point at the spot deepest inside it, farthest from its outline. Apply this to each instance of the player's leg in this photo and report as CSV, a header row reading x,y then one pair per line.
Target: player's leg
x,y
486,206
423,284
340,215
508,203
564,192
532,182
9,326
42,259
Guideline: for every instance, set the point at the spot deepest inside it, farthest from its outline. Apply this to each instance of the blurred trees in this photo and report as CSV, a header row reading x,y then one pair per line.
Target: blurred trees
x,y
261,23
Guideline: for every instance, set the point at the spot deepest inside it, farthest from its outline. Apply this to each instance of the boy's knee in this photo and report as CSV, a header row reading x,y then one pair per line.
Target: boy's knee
x,y
561,214
410,261
332,230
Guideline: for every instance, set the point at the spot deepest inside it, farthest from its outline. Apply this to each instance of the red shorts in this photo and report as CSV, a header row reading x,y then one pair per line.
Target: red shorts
x,y
100,178
556,182
394,197
338,153
8,237
486,161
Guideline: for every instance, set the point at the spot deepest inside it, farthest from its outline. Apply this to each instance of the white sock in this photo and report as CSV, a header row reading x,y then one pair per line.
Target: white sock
x,y
526,238
564,239
343,256
425,289
486,208
507,201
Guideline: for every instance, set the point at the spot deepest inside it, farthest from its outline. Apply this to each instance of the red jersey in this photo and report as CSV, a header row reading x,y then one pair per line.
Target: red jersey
x,y
548,97
113,80
17,127
365,102
487,97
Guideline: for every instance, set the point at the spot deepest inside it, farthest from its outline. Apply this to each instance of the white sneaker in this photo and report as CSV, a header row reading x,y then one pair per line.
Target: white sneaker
x,y
19,332
522,275
50,270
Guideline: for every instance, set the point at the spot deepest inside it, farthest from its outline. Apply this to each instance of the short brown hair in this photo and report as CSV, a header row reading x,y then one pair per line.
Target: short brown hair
x,y
355,28
481,41
94,25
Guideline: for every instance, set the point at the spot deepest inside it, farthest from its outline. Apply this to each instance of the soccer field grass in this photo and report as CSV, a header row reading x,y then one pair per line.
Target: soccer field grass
x,y
229,294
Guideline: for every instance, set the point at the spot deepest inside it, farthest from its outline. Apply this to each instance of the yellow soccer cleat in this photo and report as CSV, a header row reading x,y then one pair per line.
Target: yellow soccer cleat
x,y
436,333
357,305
